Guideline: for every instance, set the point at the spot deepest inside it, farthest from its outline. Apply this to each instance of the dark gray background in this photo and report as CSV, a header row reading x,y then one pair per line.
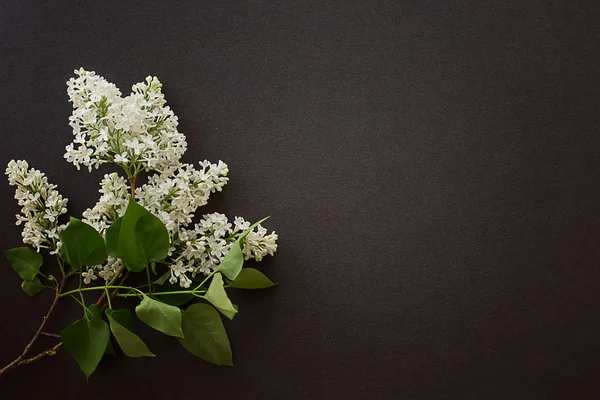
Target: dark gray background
x,y
431,167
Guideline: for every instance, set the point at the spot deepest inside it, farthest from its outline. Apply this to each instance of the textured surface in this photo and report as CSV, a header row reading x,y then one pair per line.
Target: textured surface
x,y
432,170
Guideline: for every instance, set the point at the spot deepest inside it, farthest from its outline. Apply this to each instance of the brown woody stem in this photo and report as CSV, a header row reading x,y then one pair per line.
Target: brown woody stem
x,y
132,182
21,359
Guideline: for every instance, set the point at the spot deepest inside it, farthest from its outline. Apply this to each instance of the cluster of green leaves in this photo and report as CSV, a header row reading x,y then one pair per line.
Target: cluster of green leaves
x,y
141,240
27,263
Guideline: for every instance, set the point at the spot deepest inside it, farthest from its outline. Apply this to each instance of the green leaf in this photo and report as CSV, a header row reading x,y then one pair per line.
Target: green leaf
x,y
160,316
250,278
232,263
25,261
112,237
94,312
130,343
254,225
82,245
143,238
33,287
163,278
217,296
205,336
86,340
123,317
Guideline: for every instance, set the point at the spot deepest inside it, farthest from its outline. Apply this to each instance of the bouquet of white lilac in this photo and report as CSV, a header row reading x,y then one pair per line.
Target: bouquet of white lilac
x,y
149,230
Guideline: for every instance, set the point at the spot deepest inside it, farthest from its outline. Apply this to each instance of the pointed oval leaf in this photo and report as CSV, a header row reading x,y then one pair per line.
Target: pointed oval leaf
x,y
218,297
153,238
130,343
86,340
93,312
254,225
250,278
160,316
123,317
205,335
25,261
163,278
142,238
33,287
82,245
112,237
232,263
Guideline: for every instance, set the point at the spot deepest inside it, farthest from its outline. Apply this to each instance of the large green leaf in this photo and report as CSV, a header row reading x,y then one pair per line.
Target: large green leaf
x,y
143,238
160,316
123,317
82,245
112,237
250,278
86,341
33,287
94,312
205,336
25,261
130,343
217,296
232,263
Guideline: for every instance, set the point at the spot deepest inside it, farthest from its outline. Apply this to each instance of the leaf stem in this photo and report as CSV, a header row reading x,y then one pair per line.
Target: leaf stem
x,y
80,291
61,266
108,298
149,280
115,291
77,300
101,288
205,279
194,292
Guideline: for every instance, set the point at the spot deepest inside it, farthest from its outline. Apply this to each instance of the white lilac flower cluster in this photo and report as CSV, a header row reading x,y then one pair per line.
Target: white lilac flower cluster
x,y
106,271
175,194
112,203
137,132
201,250
174,197
41,205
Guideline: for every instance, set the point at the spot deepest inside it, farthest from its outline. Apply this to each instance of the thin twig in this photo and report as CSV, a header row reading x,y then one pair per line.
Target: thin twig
x,y
21,360
43,354
132,182
18,360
